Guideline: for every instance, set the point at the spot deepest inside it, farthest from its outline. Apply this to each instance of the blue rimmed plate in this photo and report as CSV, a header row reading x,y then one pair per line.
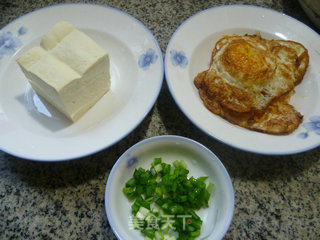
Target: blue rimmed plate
x,y
32,129
188,53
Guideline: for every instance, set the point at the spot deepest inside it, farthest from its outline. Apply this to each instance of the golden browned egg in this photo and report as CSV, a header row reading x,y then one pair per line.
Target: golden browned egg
x,y
278,118
249,80
247,72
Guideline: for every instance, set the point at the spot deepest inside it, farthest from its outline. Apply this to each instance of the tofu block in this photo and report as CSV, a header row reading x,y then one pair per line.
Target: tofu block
x,y
68,69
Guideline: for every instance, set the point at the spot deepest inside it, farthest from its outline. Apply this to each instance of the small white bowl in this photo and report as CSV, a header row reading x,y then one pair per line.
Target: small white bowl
x,y
201,162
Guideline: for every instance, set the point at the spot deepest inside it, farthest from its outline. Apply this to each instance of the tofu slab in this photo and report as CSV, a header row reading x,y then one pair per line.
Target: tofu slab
x,y
69,70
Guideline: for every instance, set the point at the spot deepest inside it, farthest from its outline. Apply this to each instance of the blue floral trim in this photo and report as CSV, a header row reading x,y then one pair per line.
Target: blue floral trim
x,y
22,30
9,43
131,161
178,58
312,126
148,58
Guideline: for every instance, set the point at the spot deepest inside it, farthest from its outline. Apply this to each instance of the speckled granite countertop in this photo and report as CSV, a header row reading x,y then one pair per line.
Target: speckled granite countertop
x,y
275,197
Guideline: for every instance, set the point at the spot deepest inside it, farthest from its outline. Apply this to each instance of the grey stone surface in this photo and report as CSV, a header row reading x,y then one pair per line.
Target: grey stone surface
x,y
276,197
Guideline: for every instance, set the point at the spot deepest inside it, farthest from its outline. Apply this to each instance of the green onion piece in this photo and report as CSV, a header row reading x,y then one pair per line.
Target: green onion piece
x,y
183,198
158,191
197,224
135,208
157,161
195,233
143,203
190,228
158,168
202,179
131,183
129,192
149,232
159,202
139,190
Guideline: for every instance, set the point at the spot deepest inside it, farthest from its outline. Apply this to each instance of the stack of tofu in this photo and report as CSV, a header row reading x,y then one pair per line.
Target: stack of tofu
x,y
68,69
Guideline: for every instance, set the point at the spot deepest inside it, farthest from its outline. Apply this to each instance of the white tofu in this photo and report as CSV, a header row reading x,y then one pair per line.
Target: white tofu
x,y
69,70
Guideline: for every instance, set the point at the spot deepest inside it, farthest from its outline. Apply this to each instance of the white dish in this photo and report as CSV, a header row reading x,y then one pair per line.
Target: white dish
x,y
31,129
201,162
189,51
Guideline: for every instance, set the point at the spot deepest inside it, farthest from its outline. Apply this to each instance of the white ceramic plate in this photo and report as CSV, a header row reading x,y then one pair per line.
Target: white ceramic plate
x,y
30,128
201,162
189,51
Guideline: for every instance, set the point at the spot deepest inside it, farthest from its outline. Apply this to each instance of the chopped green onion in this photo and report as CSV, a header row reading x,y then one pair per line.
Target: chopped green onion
x,y
165,200
149,232
142,213
195,233
157,161
158,168
131,183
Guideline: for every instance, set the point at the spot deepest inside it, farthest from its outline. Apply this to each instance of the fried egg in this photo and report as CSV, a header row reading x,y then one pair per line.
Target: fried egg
x,y
278,118
248,72
250,81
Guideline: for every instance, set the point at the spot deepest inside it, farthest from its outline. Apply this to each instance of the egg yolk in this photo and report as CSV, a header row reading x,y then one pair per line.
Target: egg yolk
x,y
246,62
